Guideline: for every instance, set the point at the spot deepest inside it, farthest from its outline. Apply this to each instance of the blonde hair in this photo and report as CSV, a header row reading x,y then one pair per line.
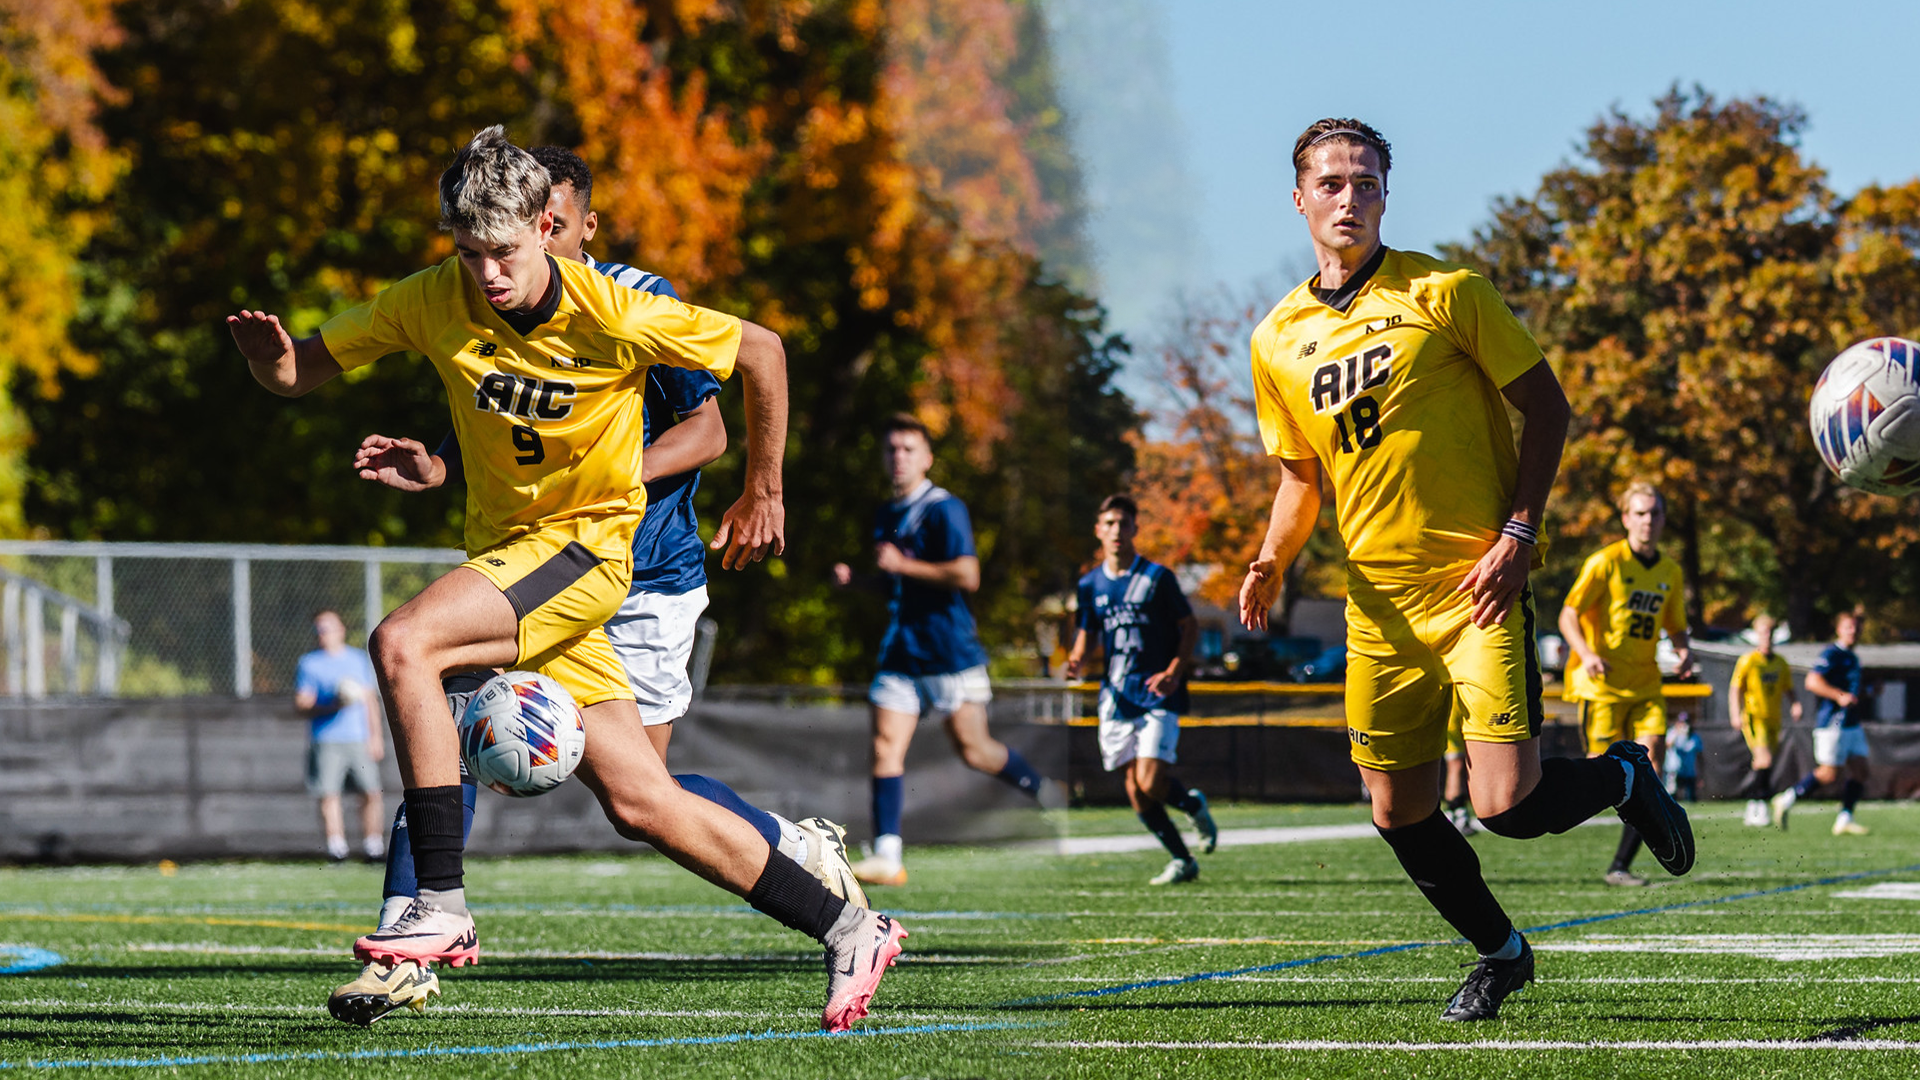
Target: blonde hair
x,y
493,189
1641,487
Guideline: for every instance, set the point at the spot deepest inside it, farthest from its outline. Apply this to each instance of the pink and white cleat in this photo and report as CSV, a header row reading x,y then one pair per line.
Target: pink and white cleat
x,y
854,968
423,934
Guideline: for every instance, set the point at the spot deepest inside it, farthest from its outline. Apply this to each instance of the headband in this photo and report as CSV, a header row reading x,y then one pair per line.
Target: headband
x,y
1361,135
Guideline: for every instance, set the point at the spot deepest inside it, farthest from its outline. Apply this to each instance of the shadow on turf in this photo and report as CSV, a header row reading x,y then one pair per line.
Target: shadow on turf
x,y
1085,1005
1857,1027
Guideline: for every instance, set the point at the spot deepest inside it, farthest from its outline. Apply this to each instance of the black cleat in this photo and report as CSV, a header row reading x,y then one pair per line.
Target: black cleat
x,y
1659,819
1488,985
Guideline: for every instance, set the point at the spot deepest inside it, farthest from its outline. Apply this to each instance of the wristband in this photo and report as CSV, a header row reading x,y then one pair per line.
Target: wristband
x,y
1521,531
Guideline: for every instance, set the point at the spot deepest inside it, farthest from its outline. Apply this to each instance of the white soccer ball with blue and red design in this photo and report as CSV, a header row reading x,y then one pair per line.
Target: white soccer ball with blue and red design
x,y
1865,416
522,734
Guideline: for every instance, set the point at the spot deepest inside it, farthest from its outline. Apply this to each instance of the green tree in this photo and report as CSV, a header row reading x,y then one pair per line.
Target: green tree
x,y
1689,276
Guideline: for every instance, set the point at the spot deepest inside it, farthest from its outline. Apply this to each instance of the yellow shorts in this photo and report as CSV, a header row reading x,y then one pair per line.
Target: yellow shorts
x,y
1416,664
564,581
1456,739
1608,722
1761,734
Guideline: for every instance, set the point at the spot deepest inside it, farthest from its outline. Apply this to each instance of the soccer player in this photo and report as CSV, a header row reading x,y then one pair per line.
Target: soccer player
x,y
654,631
333,687
545,363
1760,679
931,661
1627,592
1454,795
1389,373
1839,745
1147,632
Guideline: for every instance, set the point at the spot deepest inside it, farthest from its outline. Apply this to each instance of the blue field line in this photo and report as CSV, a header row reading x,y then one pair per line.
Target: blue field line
x,y
1205,976
28,958
507,1048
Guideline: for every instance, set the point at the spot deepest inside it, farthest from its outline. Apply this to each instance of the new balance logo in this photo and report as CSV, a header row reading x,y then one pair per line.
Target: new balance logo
x,y
482,348
1306,350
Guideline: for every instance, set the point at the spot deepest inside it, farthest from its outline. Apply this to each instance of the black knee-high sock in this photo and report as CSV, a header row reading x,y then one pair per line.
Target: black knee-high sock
x,y
1447,871
436,823
1850,794
795,898
1761,785
1155,818
1570,791
1629,847
1180,796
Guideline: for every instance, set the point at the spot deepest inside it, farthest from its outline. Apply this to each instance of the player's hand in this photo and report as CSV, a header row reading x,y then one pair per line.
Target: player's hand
x,y
1162,683
1071,669
261,338
754,527
889,558
401,464
842,574
1259,592
1846,700
1685,670
1594,667
1496,580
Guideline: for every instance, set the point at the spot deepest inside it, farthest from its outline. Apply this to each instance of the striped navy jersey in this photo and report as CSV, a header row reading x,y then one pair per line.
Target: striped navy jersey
x,y
1137,615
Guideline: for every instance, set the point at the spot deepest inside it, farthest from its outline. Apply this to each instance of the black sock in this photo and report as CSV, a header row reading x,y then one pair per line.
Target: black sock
x,y
1629,847
1762,783
1447,871
1155,818
1851,794
1569,792
1181,797
795,898
436,822
1455,803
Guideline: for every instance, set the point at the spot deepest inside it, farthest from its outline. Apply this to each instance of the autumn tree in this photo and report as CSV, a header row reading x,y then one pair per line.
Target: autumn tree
x,y
1689,276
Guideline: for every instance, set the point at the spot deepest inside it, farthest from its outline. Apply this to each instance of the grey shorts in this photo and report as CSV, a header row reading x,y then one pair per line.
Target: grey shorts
x,y
334,766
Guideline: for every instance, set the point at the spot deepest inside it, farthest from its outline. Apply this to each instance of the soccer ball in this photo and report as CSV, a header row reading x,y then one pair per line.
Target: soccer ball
x,y
522,734
1865,416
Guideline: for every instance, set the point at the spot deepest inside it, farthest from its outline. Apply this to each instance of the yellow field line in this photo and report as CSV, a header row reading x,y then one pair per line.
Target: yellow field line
x,y
208,920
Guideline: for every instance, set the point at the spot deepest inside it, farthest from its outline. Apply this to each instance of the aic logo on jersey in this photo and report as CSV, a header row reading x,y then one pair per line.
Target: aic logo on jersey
x,y
524,396
1337,381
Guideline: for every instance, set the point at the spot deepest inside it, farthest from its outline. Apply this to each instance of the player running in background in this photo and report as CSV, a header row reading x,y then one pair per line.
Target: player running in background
x,y
1839,744
1147,632
1455,796
931,662
1761,679
545,364
1390,373
652,634
1627,592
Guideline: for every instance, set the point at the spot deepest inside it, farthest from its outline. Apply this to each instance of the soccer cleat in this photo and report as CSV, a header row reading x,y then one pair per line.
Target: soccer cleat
x,y
1759,814
827,859
1488,984
424,934
1780,804
381,989
879,870
1203,824
854,969
1649,809
1178,872
1625,878
1846,826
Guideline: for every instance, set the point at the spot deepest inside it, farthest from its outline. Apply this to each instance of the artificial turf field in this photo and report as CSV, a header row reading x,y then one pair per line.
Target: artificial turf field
x,y
1020,964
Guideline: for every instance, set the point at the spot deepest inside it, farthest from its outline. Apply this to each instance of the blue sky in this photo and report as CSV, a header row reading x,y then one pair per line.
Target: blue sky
x,y
1185,110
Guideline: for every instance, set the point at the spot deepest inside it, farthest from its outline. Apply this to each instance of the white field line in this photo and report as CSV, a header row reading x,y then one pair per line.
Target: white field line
x,y
1783,947
1494,1044
1885,890
213,948
1279,834
463,1010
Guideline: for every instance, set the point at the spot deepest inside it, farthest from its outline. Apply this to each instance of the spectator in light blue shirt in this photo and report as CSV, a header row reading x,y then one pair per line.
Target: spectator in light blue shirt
x,y
334,688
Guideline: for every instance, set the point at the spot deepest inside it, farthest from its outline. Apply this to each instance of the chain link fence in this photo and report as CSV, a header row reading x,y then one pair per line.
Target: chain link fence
x,y
167,620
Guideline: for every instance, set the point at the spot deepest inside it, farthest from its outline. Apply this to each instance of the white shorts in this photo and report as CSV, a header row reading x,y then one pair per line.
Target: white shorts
x,y
1152,735
653,634
1834,745
922,695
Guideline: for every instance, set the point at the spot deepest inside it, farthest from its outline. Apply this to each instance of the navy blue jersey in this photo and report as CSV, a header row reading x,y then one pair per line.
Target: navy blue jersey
x,y
668,556
1137,616
930,630
1841,668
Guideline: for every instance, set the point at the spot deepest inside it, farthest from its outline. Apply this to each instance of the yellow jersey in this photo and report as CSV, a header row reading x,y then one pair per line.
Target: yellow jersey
x,y
1761,681
1398,396
548,416
1623,605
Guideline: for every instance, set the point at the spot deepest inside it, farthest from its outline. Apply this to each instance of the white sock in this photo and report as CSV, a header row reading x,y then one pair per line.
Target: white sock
x,y
793,842
451,901
337,847
1509,951
1845,817
392,908
889,847
1628,768
1788,797
375,847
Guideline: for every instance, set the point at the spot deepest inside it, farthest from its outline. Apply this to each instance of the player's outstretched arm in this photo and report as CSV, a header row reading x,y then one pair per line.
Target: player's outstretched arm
x,y
279,362
695,442
403,464
1497,580
756,524
1296,508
